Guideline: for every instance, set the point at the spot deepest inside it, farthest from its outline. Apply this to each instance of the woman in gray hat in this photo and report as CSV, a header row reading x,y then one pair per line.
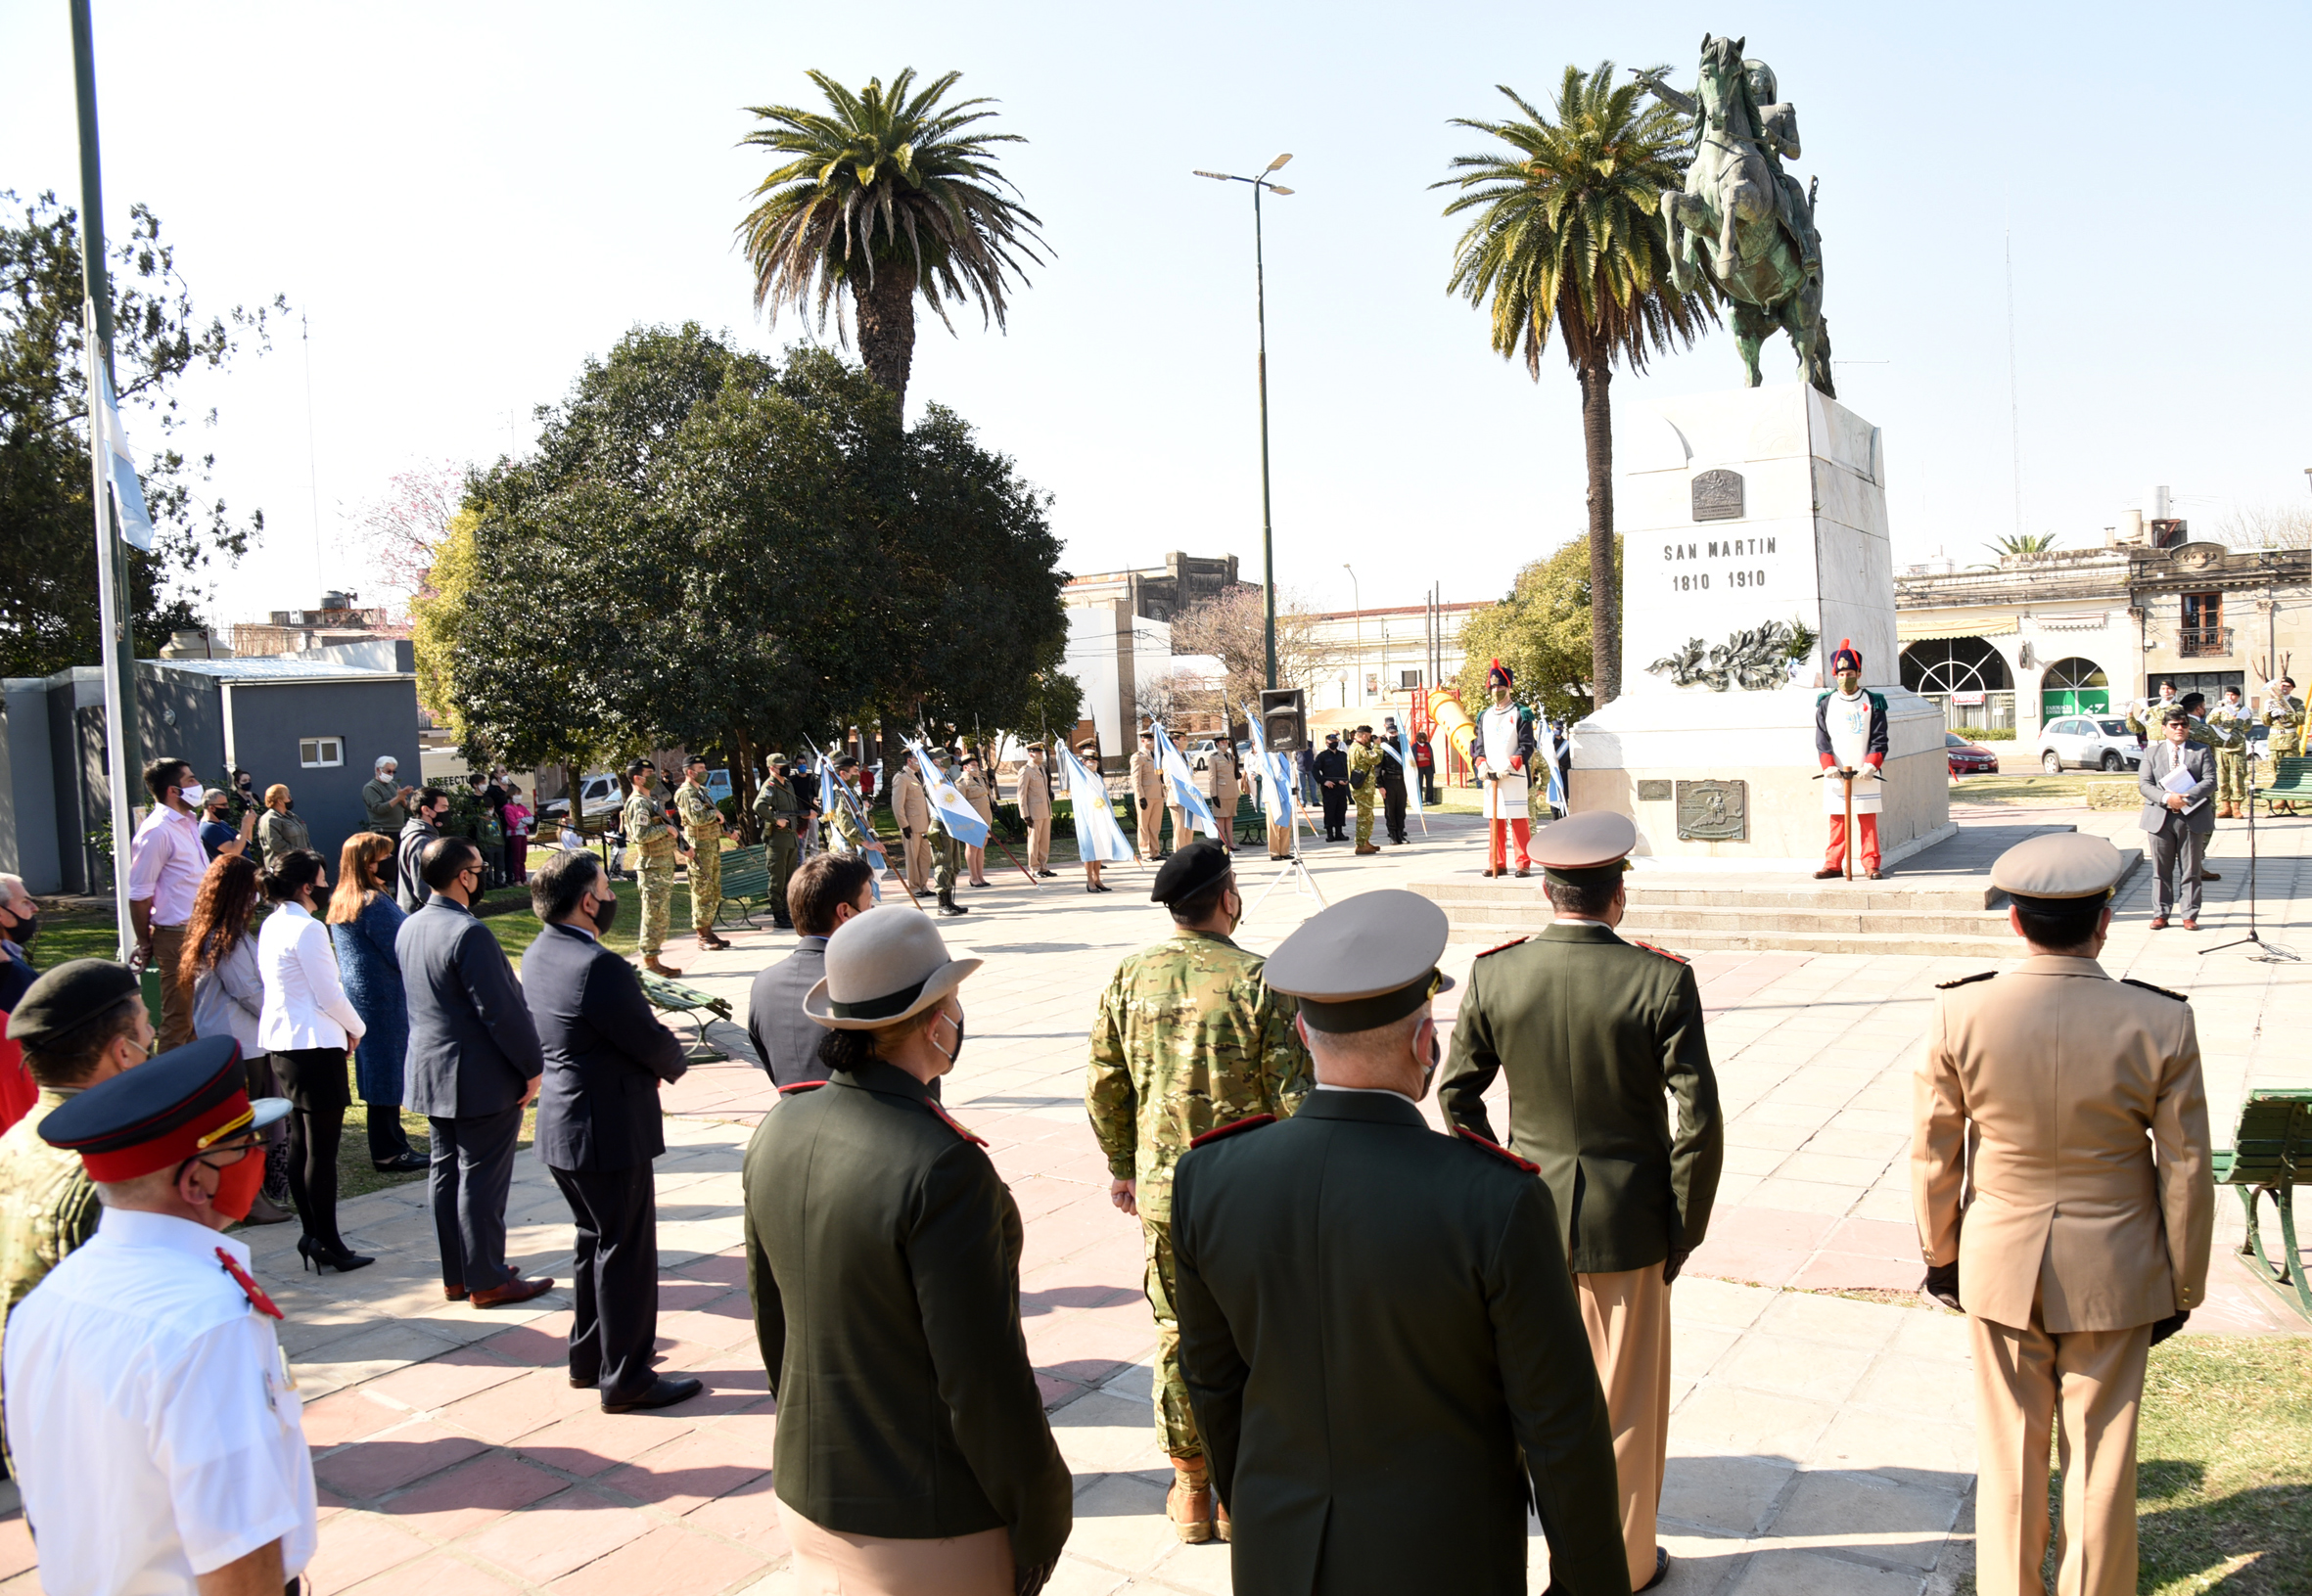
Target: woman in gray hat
x,y
883,1254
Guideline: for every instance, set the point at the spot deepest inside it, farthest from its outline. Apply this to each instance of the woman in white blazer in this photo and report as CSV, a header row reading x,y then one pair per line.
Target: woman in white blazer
x,y
308,1023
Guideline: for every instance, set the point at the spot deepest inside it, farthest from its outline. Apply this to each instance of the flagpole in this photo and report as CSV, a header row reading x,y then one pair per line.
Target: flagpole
x,y
117,655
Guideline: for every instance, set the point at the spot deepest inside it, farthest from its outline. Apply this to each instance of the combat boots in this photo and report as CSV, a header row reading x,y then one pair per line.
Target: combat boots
x,y
651,963
1189,1503
1367,848
948,905
709,943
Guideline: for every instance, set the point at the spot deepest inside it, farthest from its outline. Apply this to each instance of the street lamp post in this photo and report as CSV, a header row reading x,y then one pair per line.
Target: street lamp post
x,y
1259,290
1357,614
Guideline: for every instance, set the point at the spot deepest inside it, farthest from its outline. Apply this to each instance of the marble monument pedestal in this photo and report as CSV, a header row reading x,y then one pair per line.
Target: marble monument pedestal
x,y
1738,508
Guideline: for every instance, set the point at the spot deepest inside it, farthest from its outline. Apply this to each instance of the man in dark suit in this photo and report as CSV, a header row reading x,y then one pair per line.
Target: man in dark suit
x,y
2177,818
1595,1033
473,1067
409,849
1377,1330
598,1127
822,894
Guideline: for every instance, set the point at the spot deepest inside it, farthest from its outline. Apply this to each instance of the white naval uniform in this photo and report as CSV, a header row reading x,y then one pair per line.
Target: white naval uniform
x,y
1504,799
1848,724
155,1433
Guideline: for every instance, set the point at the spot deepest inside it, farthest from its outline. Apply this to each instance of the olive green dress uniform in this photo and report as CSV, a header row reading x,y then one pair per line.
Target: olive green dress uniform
x,y
702,828
1594,1033
883,1256
777,813
648,834
1365,785
48,1206
2061,1160
1187,1037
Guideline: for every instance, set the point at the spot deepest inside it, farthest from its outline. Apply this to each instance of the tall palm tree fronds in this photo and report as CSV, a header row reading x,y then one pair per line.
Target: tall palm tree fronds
x,y
1566,232
886,194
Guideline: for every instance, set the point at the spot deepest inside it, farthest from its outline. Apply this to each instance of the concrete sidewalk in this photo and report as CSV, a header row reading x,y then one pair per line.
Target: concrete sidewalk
x,y
1821,1442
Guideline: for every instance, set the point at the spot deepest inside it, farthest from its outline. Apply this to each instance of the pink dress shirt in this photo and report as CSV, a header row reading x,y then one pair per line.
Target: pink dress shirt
x,y
165,864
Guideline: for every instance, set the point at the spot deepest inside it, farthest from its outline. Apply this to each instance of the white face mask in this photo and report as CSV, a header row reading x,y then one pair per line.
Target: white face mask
x,y
190,795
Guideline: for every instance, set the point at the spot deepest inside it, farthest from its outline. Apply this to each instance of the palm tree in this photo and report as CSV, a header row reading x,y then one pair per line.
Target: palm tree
x,y
885,196
1568,231
2024,544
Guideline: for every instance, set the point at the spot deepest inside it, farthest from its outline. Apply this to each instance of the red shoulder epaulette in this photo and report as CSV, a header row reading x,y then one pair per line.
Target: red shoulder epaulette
x,y
1498,947
1494,1148
1232,1127
250,1289
954,1124
801,1086
1674,958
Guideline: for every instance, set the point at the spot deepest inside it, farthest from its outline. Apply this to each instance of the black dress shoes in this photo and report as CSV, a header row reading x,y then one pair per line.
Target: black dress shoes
x,y
401,1163
661,1391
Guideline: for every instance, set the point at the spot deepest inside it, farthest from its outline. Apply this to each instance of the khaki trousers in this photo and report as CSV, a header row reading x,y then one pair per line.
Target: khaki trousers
x,y
834,1563
1181,836
917,857
1627,1315
1151,830
1040,845
176,993
2025,1380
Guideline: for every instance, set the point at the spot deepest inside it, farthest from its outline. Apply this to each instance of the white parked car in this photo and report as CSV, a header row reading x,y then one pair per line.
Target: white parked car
x,y
2088,742
599,795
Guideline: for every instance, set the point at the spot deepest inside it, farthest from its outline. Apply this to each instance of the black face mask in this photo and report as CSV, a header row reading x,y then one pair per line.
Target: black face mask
x,y
957,1051
605,916
23,931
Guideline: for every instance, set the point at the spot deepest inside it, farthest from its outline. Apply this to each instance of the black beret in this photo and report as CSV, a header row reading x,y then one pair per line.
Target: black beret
x,y
1189,871
67,997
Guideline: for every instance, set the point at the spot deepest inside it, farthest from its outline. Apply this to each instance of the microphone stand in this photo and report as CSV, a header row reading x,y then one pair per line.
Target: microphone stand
x,y
2271,952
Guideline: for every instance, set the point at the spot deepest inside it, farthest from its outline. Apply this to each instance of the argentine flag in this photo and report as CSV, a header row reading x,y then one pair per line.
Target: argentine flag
x,y
1097,835
955,814
112,443
1403,754
1184,796
1275,776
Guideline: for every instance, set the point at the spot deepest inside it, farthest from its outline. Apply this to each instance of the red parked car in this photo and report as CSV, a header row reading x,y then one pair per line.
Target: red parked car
x,y
1968,759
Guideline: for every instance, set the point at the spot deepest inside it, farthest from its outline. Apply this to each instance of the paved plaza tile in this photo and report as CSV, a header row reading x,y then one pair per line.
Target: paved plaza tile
x,y
1823,1434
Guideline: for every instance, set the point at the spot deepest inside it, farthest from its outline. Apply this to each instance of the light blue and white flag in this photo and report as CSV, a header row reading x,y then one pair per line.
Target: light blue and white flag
x,y
1413,774
1546,744
1275,776
1099,838
955,814
1174,765
833,791
129,493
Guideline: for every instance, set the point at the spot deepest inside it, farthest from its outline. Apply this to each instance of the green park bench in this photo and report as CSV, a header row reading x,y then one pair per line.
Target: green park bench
x,y
2291,780
693,1005
746,887
2273,1141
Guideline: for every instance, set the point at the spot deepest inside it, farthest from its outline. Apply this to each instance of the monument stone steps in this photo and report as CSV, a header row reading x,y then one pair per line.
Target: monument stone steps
x,y
1690,943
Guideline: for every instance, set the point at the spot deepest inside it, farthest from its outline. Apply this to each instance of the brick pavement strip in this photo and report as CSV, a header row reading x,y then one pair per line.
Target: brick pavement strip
x,y
1820,1444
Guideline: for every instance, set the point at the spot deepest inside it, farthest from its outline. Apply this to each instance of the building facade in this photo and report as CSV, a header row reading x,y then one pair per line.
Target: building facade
x,y
2089,632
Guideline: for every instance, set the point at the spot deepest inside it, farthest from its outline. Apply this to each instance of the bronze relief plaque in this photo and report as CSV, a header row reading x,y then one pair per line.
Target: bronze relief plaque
x,y
1713,811
1718,495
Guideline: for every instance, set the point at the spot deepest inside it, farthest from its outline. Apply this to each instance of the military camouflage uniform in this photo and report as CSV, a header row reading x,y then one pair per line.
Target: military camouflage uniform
x,y
644,821
775,803
47,1206
1188,1037
1365,758
850,839
2227,724
702,827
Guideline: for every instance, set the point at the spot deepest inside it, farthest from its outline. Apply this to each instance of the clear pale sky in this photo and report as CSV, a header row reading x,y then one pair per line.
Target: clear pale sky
x,y
468,200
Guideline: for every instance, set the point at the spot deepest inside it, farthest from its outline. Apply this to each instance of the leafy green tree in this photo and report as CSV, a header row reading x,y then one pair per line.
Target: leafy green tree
x,y
1542,630
48,600
1566,232
886,196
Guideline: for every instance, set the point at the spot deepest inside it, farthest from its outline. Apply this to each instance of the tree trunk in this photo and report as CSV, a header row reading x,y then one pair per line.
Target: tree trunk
x,y
887,328
1606,593
743,786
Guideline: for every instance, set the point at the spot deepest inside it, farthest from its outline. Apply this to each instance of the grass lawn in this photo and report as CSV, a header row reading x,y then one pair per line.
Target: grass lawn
x,y
2035,787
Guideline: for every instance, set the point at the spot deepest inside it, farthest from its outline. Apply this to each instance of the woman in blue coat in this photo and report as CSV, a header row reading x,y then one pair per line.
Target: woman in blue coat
x,y
363,921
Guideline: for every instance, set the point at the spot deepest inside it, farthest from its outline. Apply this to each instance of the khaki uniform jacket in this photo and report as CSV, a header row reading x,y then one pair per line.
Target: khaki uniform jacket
x,y
910,806
1592,1031
1035,792
1222,781
2080,1102
883,1258
1148,781
978,794
1385,1355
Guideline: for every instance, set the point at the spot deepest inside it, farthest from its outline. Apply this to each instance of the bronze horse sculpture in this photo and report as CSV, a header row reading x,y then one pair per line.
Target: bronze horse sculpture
x,y
1741,217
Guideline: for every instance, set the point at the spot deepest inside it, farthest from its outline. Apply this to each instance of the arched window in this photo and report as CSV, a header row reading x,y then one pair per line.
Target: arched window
x,y
2073,687
1965,677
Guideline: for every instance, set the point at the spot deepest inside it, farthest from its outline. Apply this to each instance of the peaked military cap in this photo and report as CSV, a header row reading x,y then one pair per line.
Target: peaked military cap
x,y
1189,871
1587,850
160,1114
64,999
1364,962
2058,869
